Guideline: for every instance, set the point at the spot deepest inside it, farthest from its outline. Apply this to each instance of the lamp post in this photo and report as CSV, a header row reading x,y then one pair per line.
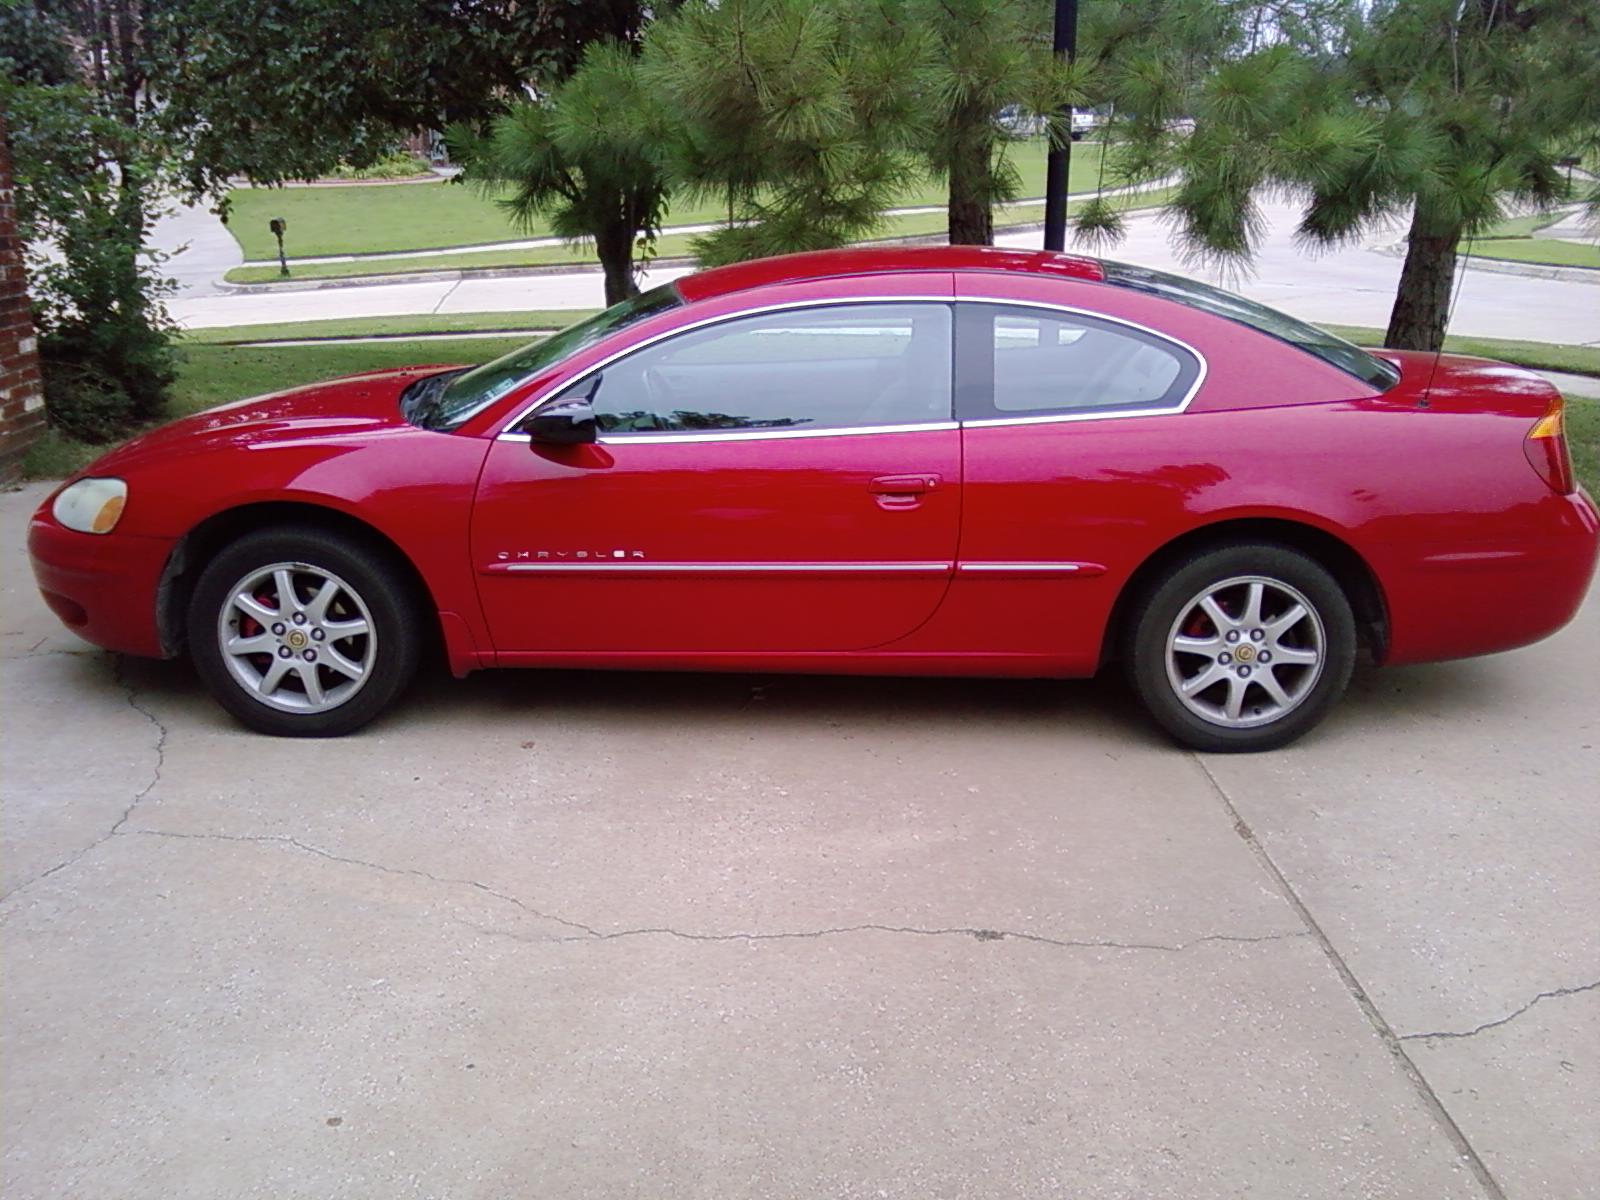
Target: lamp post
x,y
1065,44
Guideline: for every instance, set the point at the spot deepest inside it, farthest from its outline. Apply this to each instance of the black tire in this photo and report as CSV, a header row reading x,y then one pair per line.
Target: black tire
x,y
1290,577
370,583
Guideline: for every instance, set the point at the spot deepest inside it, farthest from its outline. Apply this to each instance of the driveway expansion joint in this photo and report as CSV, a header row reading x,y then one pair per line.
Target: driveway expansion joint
x,y
1392,1042
1552,994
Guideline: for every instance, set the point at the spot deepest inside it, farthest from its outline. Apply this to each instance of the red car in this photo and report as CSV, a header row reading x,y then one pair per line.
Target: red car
x,y
948,461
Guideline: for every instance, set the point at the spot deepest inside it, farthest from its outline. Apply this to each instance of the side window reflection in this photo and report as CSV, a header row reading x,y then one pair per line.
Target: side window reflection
x,y
818,368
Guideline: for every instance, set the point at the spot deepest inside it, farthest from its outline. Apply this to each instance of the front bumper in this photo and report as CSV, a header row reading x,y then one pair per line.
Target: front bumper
x,y
102,586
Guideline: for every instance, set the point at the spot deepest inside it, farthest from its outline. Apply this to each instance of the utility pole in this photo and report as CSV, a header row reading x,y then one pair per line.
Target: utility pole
x,y
1060,160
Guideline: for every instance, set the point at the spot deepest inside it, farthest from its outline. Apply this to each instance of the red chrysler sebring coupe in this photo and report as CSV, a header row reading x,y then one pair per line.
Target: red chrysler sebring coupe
x,y
945,461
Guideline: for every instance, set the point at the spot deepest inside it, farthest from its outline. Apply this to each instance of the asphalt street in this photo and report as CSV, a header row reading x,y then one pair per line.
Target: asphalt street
x,y
612,935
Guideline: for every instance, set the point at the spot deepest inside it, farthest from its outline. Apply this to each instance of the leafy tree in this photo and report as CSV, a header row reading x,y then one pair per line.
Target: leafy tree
x,y
986,57
588,157
803,115
85,165
1450,110
290,89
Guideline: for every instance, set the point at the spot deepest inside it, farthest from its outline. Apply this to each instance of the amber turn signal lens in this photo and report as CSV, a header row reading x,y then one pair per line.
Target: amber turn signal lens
x,y
1546,449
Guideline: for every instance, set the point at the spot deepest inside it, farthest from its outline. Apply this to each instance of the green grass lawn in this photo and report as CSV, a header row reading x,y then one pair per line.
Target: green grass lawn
x,y
1583,439
1544,251
431,216
1513,240
673,245
1543,356
212,374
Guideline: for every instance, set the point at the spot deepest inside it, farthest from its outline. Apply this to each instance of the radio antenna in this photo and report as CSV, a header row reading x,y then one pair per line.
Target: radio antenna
x,y
1462,256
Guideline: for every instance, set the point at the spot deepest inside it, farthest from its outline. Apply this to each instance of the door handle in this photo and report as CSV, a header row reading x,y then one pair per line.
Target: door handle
x,y
902,491
904,485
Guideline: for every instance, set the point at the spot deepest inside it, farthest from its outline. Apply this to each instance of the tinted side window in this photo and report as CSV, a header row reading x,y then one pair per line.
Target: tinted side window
x,y
814,368
1039,362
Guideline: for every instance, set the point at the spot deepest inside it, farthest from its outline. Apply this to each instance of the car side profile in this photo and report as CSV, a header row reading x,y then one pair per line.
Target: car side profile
x,y
944,460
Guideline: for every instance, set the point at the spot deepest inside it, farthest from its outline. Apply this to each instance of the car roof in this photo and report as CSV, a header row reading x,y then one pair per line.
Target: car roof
x,y
878,260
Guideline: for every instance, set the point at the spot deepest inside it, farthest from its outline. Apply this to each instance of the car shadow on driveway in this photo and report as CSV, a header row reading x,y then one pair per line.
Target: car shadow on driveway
x,y
1103,706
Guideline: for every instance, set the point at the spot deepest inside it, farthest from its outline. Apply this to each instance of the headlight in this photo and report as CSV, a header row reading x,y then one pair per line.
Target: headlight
x,y
91,505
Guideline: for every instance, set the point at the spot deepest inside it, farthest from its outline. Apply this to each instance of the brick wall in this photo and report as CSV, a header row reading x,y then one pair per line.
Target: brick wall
x,y
21,396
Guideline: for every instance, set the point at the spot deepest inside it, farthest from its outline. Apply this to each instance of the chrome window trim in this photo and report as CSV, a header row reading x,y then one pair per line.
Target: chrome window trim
x,y
1094,414
751,435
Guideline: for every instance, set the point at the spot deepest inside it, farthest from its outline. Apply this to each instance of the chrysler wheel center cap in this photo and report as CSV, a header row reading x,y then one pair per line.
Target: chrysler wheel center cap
x,y
1245,652
297,639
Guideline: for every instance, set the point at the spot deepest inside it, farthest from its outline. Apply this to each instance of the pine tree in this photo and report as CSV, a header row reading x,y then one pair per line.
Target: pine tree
x,y
1449,110
588,158
987,57
802,115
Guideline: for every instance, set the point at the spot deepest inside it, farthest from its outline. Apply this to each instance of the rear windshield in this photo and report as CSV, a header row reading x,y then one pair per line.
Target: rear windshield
x,y
1335,350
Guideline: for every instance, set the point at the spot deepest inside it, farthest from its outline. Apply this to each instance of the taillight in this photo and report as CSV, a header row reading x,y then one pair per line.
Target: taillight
x,y
1546,448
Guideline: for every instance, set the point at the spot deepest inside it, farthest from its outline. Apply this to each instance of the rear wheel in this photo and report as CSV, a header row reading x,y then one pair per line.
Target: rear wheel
x,y
301,633
1244,647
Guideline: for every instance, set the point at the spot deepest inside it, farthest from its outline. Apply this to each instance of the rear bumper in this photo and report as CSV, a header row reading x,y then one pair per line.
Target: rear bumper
x,y
102,586
1464,600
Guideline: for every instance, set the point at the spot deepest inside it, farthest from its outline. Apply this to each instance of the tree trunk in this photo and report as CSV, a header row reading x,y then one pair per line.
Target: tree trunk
x,y
614,245
1422,302
971,182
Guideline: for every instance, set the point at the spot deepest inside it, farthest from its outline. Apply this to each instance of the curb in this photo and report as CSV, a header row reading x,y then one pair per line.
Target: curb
x,y
1501,266
455,276
461,273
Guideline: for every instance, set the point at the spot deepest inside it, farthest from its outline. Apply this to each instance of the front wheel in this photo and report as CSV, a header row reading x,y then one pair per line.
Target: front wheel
x,y
1241,648
302,633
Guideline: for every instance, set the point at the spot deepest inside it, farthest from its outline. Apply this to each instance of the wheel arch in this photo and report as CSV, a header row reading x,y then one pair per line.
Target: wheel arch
x,y
203,542
1352,572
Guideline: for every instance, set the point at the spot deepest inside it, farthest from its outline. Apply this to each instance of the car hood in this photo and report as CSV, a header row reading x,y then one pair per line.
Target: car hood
x,y
356,405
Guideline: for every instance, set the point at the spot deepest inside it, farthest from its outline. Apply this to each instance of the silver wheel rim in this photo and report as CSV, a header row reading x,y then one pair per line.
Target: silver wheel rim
x,y
297,637
1245,652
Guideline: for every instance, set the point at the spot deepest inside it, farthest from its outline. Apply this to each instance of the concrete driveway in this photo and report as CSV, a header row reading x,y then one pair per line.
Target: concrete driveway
x,y
573,935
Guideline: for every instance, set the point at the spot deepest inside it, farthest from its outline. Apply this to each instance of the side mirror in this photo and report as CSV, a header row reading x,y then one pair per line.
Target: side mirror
x,y
564,423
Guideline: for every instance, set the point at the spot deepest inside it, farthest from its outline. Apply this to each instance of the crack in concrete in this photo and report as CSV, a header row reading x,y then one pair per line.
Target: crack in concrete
x,y
155,778
284,839
1552,994
977,933
591,933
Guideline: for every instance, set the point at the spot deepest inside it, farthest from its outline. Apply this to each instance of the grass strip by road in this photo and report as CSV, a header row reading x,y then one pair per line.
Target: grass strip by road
x,y
431,216
672,245
1540,356
349,327
1547,252
1512,240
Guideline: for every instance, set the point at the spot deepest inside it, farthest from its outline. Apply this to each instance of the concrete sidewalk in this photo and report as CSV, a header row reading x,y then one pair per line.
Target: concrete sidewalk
x,y
618,935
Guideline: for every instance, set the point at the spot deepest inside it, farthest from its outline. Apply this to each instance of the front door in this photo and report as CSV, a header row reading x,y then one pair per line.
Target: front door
x,y
781,481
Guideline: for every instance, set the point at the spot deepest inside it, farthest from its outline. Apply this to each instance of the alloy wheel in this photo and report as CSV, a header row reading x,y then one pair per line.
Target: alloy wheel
x,y
297,637
1245,652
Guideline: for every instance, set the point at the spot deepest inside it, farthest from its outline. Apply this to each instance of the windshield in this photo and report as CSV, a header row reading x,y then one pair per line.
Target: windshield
x,y
465,393
1335,350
